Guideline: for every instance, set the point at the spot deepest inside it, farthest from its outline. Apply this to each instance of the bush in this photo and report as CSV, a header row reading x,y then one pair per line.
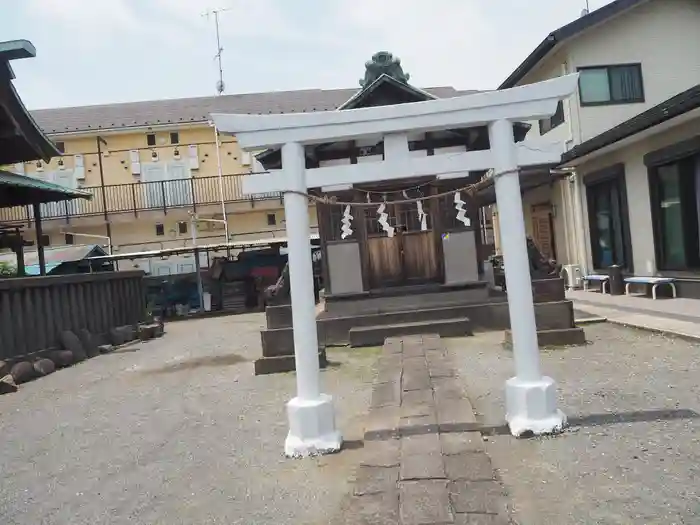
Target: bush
x,y
7,270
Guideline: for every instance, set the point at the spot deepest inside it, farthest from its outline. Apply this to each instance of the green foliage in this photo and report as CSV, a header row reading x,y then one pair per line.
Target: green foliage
x,y
7,270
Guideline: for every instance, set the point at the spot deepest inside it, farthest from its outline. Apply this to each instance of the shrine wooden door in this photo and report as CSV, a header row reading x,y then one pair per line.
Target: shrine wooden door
x,y
542,231
409,257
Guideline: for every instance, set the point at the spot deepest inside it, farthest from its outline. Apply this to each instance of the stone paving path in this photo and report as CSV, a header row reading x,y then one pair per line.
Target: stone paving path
x,y
423,462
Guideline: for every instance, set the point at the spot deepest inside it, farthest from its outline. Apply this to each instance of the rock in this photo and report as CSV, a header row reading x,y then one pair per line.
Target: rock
x,y
122,334
44,367
62,358
22,372
147,331
4,369
89,344
105,349
71,342
8,385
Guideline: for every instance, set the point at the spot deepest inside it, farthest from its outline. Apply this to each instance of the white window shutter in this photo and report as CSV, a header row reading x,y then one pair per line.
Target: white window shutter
x,y
79,167
194,157
246,158
135,162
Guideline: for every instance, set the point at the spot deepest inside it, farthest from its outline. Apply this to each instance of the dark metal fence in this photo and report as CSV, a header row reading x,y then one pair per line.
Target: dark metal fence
x,y
142,196
35,310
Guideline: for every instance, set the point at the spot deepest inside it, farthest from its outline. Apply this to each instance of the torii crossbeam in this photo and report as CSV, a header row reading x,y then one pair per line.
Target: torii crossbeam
x,y
530,397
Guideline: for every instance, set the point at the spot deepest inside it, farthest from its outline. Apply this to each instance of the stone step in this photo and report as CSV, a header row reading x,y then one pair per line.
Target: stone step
x,y
375,335
489,316
559,337
283,363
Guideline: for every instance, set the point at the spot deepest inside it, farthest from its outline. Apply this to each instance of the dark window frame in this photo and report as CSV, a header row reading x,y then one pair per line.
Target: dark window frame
x,y
182,227
148,139
174,138
68,239
60,146
612,102
614,174
45,240
677,153
160,229
272,219
548,124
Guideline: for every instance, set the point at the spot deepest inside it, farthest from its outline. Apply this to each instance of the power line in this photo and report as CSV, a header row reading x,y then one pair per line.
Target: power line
x,y
220,85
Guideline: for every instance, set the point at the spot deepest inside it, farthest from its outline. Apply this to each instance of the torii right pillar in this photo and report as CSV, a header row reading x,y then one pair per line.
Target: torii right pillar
x,y
531,398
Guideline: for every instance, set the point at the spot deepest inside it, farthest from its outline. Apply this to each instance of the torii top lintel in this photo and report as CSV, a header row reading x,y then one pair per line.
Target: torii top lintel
x,y
530,102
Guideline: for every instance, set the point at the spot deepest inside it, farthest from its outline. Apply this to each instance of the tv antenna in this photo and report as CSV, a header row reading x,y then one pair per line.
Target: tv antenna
x,y
220,85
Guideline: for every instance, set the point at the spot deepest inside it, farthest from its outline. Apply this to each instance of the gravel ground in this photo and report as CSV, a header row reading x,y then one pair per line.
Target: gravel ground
x,y
632,455
174,431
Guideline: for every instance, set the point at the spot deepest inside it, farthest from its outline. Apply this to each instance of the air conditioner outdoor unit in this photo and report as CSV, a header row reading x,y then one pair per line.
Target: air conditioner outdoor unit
x,y
572,275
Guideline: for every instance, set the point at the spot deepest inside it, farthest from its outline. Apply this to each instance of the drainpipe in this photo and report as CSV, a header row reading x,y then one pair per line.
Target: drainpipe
x,y
101,141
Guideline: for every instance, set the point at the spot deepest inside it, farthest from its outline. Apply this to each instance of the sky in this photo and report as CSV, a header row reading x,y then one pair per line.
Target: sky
x,y
109,51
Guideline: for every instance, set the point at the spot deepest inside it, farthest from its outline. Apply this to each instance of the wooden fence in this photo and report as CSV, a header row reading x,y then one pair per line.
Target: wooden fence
x,y
35,310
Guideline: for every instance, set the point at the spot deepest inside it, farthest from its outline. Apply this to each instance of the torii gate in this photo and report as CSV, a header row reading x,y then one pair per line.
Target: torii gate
x,y
530,397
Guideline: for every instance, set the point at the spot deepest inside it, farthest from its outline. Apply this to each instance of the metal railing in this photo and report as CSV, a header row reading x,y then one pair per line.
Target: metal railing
x,y
142,196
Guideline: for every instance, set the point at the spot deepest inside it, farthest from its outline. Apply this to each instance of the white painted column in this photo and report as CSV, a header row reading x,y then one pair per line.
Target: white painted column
x,y
530,398
311,414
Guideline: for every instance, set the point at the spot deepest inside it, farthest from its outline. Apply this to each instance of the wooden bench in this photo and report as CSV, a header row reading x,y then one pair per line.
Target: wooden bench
x,y
598,278
655,282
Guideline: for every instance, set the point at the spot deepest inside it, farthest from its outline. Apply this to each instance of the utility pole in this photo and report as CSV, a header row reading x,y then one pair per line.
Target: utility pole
x,y
220,86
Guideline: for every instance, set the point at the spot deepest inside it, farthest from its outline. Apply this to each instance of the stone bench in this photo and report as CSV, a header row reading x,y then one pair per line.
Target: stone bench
x,y
598,278
655,282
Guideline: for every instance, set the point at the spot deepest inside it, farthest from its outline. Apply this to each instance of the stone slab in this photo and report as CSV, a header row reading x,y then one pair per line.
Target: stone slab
x,y
371,509
421,444
472,466
461,442
422,466
375,480
424,503
386,394
481,519
385,453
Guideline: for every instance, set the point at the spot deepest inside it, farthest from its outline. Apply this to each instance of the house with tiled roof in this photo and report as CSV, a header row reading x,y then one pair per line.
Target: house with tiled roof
x,y
150,164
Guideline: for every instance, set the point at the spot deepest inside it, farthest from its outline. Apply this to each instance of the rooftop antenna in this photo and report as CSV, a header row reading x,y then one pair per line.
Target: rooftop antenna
x,y
220,86
586,9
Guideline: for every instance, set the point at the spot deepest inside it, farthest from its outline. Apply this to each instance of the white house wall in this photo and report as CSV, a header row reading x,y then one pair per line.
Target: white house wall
x,y
637,183
662,35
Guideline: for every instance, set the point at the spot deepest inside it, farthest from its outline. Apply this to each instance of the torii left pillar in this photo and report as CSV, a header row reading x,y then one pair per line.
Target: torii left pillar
x,y
311,414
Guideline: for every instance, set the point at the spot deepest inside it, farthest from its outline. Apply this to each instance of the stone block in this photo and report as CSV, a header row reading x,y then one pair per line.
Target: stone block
x,y
147,331
382,423
22,372
485,497
481,519
105,349
8,385
424,502
385,453
418,425
418,397
420,444
44,367
72,342
461,442
375,480
454,412
416,379
422,466
471,466
385,394
281,364
4,368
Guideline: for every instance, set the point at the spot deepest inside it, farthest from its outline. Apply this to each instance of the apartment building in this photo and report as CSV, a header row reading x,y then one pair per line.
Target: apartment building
x,y
628,189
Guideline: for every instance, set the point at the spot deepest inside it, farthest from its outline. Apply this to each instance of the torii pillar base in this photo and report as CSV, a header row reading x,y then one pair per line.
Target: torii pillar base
x,y
312,430
532,407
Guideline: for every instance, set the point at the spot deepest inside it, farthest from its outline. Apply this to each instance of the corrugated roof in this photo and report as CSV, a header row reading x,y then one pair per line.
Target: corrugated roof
x,y
55,256
20,190
190,110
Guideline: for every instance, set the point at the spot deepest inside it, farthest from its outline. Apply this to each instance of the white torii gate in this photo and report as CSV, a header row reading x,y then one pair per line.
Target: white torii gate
x,y
530,397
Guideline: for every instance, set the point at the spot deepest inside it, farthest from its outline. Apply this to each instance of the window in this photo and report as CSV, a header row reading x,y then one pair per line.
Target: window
x,y
676,209
548,124
271,219
608,219
611,85
160,230
61,146
174,137
69,239
182,227
151,139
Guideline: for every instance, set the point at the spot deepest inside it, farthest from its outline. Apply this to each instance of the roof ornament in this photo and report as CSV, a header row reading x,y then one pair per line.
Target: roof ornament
x,y
384,63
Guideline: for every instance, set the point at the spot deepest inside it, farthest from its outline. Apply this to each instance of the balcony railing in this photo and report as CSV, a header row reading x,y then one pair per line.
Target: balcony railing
x,y
142,196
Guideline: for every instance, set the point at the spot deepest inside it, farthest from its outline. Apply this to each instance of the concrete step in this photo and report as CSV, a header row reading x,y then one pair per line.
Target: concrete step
x,y
334,330
560,337
283,363
375,335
